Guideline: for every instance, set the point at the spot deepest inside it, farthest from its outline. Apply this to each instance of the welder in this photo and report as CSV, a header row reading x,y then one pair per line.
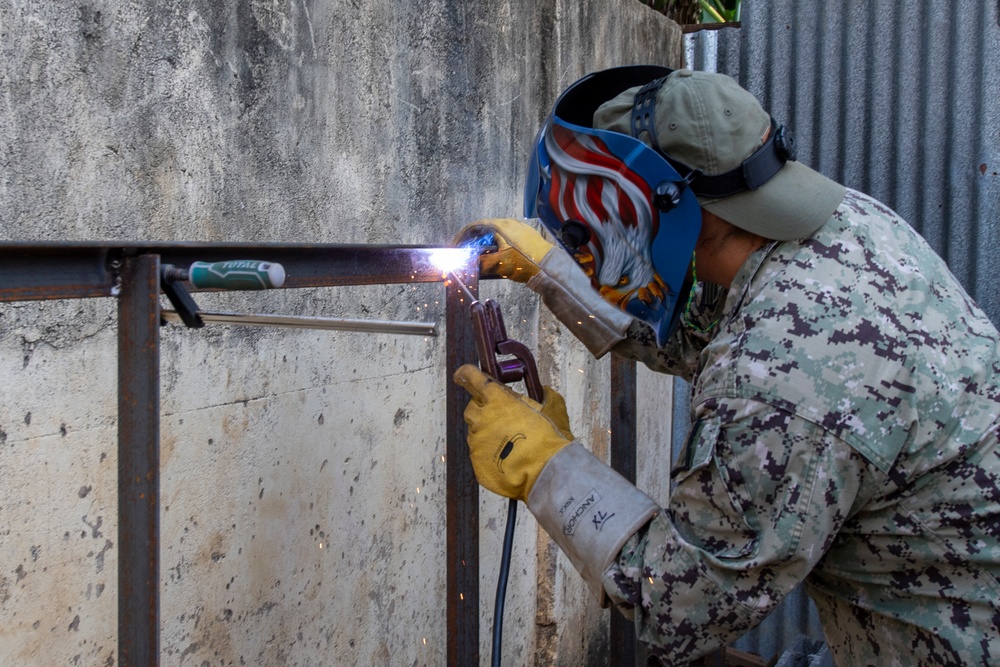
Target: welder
x,y
845,397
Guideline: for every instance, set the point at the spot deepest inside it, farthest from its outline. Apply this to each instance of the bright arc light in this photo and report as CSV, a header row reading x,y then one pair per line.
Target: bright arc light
x,y
448,260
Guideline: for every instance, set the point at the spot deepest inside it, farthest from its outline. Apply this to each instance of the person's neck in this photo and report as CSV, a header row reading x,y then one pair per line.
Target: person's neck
x,y
722,249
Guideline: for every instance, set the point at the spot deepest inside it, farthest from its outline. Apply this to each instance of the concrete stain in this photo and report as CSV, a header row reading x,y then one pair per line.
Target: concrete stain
x,y
168,442
95,527
212,550
99,556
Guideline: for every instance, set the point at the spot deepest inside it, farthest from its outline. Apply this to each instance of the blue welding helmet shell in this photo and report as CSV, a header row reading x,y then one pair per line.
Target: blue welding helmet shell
x,y
616,205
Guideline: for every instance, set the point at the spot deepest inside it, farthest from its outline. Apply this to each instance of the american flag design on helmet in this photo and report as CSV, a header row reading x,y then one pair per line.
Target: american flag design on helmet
x,y
591,185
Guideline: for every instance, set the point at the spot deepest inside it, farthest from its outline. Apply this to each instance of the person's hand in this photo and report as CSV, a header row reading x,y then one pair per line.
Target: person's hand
x,y
525,256
511,437
520,248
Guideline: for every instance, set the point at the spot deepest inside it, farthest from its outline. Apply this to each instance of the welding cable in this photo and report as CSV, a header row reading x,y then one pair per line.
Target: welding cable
x,y
508,548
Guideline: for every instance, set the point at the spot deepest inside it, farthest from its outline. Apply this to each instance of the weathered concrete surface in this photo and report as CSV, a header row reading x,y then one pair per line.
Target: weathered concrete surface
x,y
302,473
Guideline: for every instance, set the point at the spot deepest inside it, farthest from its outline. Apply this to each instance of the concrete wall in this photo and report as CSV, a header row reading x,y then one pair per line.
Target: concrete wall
x,y
302,472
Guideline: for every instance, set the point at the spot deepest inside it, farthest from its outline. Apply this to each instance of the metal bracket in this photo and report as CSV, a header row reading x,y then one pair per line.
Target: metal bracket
x,y
186,308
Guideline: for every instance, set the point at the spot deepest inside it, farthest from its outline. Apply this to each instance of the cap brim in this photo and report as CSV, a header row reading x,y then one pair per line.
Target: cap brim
x,y
792,205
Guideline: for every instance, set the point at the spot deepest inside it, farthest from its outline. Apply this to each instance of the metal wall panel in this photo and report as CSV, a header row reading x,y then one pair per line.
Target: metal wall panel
x,y
899,100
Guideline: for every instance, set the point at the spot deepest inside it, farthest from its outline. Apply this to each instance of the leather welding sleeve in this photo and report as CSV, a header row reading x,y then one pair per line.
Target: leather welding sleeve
x,y
567,292
589,510
525,255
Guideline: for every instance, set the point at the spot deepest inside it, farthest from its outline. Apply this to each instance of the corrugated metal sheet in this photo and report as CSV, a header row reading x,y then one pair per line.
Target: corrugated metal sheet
x,y
899,100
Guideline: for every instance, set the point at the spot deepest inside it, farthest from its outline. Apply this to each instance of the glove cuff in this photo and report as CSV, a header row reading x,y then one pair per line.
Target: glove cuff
x,y
566,291
589,510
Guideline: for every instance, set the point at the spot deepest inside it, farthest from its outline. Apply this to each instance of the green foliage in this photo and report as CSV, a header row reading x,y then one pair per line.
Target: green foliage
x,y
720,11
686,12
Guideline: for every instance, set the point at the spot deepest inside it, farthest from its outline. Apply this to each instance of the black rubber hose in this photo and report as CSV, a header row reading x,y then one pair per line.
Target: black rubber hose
x,y
508,549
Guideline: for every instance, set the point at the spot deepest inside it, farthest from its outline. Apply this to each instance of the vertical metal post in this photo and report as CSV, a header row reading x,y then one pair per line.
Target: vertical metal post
x,y
139,462
462,510
623,459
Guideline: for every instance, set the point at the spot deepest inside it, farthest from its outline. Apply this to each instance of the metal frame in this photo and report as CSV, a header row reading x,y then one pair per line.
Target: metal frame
x,y
130,272
623,459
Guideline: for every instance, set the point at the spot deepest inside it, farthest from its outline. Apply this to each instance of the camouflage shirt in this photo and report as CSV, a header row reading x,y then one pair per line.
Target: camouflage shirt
x,y
845,409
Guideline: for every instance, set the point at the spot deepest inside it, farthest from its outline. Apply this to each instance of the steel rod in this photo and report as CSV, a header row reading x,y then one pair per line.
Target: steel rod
x,y
622,646
139,463
465,290
306,322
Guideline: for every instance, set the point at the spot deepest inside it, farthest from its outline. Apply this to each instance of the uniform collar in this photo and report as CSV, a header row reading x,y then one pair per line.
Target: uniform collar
x,y
740,287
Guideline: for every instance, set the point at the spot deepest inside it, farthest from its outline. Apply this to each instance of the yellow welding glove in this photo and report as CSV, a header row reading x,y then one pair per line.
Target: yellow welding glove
x,y
520,248
554,407
525,256
511,437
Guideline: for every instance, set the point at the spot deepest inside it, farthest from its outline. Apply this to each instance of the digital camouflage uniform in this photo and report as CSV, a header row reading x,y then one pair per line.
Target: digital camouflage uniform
x,y
845,413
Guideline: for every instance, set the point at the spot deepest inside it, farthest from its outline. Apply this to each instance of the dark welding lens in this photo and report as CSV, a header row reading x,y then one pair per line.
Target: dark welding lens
x,y
574,234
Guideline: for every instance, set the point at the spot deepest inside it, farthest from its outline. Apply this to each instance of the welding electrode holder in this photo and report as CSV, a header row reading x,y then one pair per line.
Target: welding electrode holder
x,y
492,341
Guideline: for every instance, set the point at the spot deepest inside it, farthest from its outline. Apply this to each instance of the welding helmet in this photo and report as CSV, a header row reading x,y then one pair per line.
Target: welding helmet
x,y
615,204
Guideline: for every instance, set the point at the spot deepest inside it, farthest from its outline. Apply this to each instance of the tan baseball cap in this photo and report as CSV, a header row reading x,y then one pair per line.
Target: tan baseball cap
x,y
706,121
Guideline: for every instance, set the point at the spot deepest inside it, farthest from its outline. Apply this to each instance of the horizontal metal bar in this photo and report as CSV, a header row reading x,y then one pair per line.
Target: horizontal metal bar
x,y
306,322
33,270
53,272
328,265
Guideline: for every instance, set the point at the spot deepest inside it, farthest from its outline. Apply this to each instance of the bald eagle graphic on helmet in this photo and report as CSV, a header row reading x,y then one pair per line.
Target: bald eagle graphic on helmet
x,y
592,186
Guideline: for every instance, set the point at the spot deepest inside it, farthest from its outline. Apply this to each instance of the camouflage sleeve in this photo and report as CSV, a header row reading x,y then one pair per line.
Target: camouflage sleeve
x,y
759,496
680,355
